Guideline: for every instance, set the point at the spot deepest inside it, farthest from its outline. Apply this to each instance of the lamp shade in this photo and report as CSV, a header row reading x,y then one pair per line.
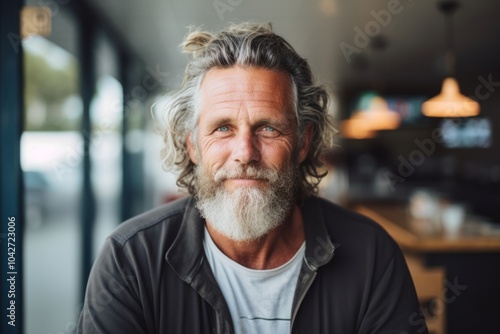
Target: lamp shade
x,y
355,128
378,116
375,117
450,102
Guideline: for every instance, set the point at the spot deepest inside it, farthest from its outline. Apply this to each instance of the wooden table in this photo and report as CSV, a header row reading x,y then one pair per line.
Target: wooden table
x,y
396,220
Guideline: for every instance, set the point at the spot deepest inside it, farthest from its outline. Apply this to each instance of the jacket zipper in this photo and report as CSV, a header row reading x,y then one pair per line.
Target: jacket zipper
x,y
301,298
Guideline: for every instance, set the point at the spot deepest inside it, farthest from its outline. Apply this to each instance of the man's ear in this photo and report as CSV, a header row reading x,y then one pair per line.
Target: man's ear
x,y
306,143
191,149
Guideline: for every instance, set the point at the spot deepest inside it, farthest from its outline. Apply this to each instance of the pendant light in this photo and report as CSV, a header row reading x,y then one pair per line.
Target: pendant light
x,y
355,128
450,102
374,113
378,116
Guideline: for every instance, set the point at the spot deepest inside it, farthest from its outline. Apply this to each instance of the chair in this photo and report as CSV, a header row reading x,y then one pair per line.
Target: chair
x,y
429,283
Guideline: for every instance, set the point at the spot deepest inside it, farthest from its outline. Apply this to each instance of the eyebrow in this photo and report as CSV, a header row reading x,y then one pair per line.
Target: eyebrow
x,y
217,122
280,124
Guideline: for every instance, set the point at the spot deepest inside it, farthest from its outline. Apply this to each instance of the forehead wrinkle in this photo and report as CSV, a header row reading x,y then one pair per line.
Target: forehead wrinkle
x,y
237,95
230,101
225,89
226,81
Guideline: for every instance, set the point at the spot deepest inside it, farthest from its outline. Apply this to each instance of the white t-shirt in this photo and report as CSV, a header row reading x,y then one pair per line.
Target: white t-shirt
x,y
260,301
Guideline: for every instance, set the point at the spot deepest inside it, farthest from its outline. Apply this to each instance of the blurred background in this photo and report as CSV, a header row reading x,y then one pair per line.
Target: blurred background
x,y
80,80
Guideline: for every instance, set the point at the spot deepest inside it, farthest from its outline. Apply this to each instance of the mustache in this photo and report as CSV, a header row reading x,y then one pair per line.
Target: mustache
x,y
246,172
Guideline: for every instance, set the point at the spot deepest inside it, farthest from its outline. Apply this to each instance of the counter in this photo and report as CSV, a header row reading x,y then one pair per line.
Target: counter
x,y
410,234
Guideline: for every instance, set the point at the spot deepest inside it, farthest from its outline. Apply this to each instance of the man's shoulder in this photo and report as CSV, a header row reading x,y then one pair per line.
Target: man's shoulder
x,y
156,221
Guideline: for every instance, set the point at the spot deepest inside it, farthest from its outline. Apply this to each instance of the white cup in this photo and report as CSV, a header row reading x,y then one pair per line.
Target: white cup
x,y
453,218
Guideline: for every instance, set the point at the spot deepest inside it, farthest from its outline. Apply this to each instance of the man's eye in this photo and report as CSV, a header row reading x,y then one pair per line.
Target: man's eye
x,y
223,128
269,129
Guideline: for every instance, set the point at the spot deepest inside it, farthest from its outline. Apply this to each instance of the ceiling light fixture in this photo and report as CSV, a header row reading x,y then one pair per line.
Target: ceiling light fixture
x,y
373,113
372,116
355,128
378,116
450,102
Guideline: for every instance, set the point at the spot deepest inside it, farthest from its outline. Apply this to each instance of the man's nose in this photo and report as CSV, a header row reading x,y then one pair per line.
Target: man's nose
x,y
246,148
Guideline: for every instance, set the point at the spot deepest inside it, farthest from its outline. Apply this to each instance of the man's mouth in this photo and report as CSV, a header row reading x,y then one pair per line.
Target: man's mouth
x,y
239,175
244,177
245,181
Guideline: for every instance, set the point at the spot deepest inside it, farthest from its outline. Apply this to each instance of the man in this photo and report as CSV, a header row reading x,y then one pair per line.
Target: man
x,y
252,251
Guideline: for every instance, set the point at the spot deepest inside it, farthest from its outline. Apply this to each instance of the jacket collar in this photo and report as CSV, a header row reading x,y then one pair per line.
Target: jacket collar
x,y
186,253
319,248
187,258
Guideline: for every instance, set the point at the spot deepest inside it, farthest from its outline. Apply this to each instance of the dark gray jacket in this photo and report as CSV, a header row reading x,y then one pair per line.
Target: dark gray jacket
x,y
152,277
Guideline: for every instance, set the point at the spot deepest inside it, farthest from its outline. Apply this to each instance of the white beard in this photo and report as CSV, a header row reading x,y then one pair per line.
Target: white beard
x,y
246,213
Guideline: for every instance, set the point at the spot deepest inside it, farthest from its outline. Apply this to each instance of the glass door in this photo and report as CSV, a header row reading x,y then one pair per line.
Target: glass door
x,y
51,154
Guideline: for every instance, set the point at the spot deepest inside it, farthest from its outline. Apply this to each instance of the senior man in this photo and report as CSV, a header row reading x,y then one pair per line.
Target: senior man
x,y
252,250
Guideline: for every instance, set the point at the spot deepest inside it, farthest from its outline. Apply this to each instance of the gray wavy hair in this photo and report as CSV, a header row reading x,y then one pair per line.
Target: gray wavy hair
x,y
254,45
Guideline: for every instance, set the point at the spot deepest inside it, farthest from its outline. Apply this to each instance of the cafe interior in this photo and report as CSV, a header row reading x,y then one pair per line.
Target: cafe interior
x,y
415,95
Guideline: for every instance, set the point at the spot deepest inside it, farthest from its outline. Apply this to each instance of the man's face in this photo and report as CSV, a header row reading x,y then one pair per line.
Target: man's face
x,y
246,151
246,118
